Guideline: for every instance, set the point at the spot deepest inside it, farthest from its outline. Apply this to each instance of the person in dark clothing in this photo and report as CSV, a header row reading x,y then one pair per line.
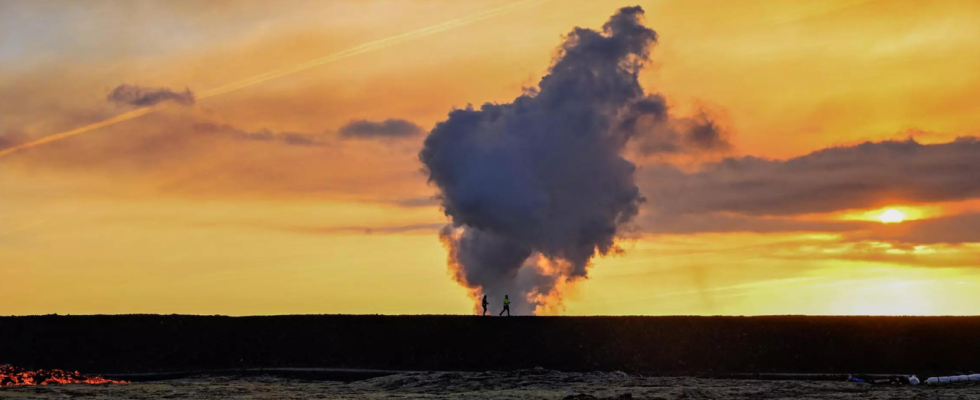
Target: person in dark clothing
x,y
506,306
485,304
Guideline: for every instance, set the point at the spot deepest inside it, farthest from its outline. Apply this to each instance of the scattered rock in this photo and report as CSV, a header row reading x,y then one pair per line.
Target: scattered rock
x,y
695,393
583,396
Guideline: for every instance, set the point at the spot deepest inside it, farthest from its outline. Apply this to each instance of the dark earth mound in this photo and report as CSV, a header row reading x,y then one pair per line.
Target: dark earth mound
x,y
704,346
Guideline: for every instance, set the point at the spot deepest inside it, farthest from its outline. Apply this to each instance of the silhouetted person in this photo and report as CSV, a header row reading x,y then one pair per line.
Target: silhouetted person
x,y
506,306
485,304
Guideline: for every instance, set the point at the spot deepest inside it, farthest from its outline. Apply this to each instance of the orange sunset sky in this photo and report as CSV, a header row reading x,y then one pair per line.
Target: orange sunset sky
x,y
269,199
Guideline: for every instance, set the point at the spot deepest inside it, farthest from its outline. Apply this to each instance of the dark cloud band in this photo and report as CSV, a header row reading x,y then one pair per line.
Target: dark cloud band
x,y
145,97
840,178
389,128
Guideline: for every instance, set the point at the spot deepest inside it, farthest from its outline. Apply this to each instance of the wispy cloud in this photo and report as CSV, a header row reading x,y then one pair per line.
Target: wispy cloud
x,y
391,128
144,97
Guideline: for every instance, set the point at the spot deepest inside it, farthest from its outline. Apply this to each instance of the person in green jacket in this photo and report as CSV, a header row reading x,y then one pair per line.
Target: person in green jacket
x,y
506,306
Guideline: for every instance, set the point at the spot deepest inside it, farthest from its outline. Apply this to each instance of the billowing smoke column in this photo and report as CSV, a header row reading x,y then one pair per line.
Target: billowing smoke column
x,y
537,187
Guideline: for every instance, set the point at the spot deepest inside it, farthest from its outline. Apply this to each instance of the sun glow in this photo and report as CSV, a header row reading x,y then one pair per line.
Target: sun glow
x,y
892,216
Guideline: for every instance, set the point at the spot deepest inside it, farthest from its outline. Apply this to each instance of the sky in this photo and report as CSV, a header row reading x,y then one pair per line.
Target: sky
x,y
245,179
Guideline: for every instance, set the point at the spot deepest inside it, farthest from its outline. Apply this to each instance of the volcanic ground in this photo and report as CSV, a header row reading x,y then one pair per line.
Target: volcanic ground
x,y
520,384
340,356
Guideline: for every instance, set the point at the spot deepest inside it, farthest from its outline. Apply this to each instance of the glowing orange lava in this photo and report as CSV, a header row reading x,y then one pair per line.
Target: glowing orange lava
x,y
13,376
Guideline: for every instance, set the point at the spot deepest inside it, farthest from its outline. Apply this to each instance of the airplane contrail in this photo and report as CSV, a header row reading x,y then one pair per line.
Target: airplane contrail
x,y
255,80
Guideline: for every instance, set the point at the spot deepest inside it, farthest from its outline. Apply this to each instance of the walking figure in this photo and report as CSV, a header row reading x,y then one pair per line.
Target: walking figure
x,y
506,306
485,303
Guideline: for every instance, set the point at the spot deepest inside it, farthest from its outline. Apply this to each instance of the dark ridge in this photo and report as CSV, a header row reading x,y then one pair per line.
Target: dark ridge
x,y
703,346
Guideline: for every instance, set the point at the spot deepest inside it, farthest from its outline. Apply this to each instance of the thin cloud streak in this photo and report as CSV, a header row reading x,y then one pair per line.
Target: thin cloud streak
x,y
77,131
351,52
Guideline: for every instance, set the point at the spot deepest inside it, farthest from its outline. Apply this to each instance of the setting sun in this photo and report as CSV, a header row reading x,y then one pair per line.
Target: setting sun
x,y
892,216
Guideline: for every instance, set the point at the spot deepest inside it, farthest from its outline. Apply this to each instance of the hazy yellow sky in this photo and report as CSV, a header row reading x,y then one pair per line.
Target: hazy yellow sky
x,y
255,202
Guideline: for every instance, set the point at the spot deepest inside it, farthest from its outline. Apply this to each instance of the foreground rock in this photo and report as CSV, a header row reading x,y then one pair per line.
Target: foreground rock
x,y
520,384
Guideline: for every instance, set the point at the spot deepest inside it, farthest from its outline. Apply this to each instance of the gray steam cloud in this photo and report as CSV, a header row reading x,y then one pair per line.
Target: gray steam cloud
x,y
705,134
660,135
537,187
145,97
868,175
389,128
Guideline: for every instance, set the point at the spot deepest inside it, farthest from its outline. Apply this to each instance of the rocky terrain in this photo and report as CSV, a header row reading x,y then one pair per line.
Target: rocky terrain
x,y
371,357
521,384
